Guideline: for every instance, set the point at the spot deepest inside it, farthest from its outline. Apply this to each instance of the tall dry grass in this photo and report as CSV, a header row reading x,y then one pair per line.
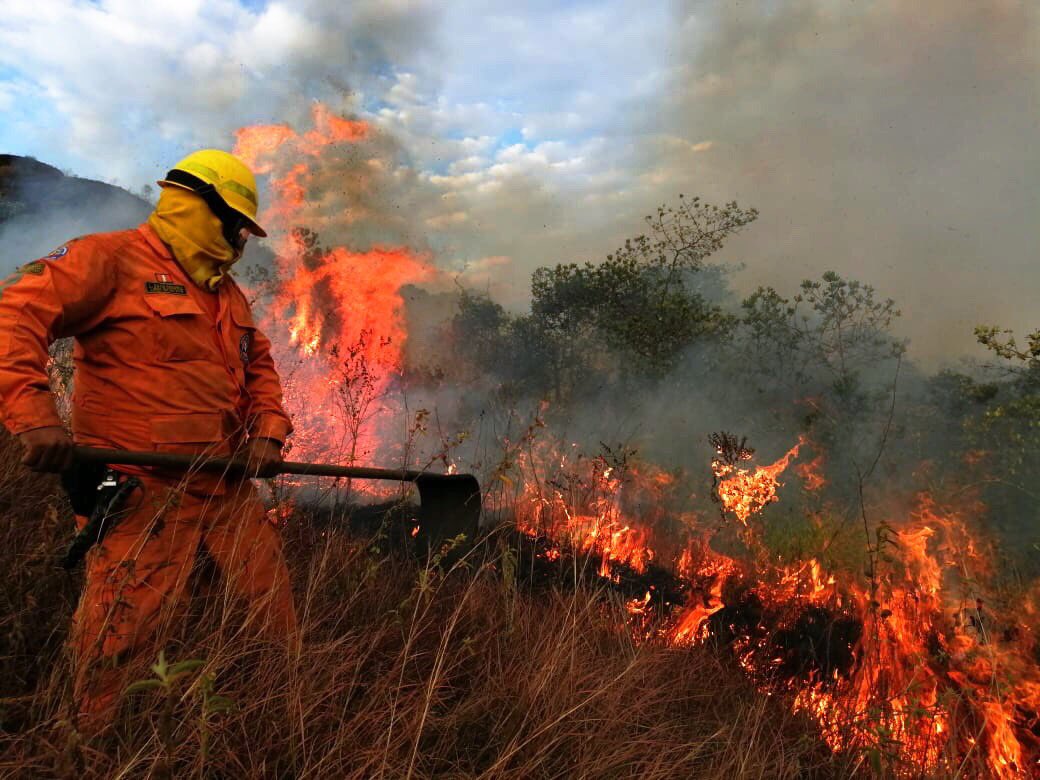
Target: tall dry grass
x,y
402,671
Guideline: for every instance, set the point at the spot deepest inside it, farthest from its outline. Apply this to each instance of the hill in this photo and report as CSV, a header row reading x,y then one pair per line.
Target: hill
x,y
41,207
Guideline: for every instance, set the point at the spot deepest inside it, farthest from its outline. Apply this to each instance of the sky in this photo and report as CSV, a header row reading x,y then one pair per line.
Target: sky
x,y
893,142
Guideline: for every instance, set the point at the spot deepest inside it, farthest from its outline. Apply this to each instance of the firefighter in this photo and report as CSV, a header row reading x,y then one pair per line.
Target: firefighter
x,y
167,358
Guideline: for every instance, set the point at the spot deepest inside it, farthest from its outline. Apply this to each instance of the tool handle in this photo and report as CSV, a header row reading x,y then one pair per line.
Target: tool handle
x,y
185,463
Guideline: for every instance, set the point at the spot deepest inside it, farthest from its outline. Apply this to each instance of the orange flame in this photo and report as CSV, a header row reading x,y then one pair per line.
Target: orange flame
x,y
336,318
745,493
811,473
911,663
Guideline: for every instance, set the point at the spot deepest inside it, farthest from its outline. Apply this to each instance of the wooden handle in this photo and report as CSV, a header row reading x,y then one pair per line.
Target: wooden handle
x,y
187,463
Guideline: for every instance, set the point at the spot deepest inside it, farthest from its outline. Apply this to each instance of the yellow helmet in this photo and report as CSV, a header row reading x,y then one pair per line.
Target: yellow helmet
x,y
229,177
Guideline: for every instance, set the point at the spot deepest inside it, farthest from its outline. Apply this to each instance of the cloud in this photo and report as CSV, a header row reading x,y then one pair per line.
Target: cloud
x,y
153,76
8,94
445,84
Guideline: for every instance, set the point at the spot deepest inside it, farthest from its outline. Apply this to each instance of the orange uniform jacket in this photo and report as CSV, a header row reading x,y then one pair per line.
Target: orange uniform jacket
x,y
160,364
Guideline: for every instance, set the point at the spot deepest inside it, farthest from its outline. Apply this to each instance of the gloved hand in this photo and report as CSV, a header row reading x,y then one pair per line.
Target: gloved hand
x,y
262,457
47,449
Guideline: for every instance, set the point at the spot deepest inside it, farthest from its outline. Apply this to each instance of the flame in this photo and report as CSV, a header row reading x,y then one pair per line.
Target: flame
x,y
925,682
591,506
638,606
336,316
811,473
690,625
744,492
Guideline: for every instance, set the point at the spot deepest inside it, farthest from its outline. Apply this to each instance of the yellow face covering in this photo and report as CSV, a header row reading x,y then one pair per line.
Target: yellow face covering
x,y
193,233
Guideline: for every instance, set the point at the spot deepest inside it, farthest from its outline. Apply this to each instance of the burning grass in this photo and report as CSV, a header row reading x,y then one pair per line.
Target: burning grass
x,y
569,642
925,664
402,672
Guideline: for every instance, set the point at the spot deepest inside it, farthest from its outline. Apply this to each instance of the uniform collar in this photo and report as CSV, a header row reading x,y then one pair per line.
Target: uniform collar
x,y
163,251
156,243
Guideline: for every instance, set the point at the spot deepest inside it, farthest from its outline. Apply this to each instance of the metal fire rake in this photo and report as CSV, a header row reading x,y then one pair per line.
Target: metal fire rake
x,y
449,503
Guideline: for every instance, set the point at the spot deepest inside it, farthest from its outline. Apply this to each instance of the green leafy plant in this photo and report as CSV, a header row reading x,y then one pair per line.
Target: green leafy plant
x,y
169,682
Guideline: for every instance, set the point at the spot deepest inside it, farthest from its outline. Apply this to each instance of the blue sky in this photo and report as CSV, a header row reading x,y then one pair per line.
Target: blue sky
x,y
79,79
893,142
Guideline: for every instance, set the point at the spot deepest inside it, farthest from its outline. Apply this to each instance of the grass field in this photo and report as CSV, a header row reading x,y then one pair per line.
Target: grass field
x,y
401,672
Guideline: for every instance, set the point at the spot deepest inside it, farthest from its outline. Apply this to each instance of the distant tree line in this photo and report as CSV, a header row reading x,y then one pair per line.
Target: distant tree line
x,y
824,360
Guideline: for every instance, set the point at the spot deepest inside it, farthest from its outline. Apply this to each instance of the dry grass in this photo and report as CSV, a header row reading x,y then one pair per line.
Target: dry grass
x,y
403,672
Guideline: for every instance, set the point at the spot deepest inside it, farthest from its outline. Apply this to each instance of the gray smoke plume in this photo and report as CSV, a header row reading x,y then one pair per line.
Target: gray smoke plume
x,y
892,142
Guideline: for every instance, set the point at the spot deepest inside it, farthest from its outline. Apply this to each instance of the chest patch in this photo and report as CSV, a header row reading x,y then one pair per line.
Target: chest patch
x,y
61,251
244,344
167,288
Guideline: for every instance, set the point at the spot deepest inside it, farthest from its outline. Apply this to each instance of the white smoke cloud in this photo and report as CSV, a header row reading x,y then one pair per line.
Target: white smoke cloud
x,y
136,83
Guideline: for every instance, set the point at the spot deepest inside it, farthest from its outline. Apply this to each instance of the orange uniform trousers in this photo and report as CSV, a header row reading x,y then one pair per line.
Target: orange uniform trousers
x,y
136,580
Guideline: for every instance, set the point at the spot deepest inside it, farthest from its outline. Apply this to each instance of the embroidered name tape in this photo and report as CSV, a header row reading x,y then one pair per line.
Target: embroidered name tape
x,y
168,288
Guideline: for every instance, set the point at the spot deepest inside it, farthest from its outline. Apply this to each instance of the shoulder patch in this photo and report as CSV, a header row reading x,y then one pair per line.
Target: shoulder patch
x,y
169,288
61,251
36,268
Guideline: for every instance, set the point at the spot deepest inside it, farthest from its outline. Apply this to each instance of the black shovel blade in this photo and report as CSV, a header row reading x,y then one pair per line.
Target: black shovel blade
x,y
450,507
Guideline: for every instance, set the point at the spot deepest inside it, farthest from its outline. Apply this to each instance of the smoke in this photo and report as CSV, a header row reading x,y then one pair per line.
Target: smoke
x,y
891,142
891,145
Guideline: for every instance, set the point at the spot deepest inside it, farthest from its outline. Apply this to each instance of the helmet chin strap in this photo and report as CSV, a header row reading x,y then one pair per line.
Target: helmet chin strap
x,y
231,221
